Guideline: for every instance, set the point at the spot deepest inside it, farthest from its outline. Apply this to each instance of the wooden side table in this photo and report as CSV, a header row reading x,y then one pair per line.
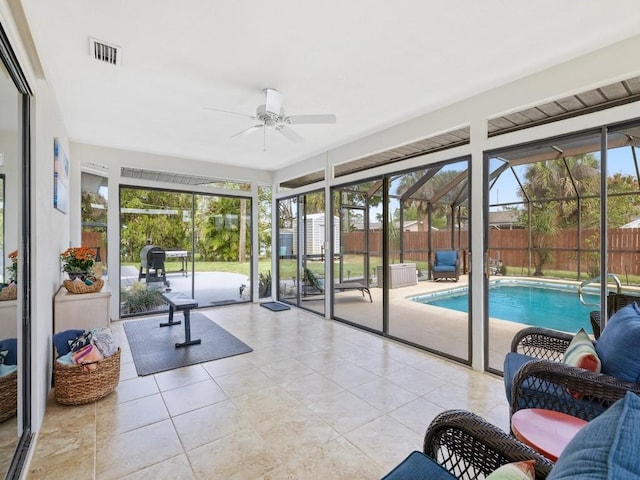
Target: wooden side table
x,y
546,431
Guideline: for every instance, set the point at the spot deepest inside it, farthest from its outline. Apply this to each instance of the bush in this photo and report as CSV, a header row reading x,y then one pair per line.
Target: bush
x,y
140,298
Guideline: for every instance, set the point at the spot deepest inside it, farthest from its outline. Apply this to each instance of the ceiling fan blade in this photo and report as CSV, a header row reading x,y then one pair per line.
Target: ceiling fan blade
x,y
228,111
273,103
290,134
248,131
300,119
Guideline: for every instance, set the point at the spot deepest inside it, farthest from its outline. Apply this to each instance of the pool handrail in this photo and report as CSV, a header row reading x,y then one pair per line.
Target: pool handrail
x,y
592,280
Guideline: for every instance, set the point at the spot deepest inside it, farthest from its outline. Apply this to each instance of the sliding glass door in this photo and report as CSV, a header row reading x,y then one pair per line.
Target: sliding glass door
x,y
196,244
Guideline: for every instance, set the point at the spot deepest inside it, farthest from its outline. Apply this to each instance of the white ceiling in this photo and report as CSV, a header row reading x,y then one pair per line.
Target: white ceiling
x,y
372,63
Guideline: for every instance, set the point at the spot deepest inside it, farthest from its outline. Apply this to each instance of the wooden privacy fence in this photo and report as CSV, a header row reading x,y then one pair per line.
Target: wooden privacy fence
x,y
511,246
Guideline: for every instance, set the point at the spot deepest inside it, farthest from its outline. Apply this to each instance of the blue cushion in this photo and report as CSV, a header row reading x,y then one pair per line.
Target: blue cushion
x,y
617,346
61,340
512,363
418,466
11,345
605,448
444,268
446,257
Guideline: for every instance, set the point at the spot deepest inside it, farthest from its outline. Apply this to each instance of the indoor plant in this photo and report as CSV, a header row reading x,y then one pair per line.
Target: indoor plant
x,y
13,268
78,262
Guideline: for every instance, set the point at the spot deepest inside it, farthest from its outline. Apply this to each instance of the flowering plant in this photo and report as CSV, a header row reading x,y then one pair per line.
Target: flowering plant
x,y
78,259
13,268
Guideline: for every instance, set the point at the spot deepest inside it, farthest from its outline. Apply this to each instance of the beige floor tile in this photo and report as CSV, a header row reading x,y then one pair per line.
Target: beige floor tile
x,y
136,387
179,377
227,366
336,460
415,381
243,455
204,425
385,441
244,382
176,468
348,375
123,417
193,396
311,388
344,411
417,415
266,402
383,394
297,430
127,453
285,370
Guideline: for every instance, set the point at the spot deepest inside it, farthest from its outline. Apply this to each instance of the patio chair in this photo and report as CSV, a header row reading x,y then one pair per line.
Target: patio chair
x,y
460,444
615,301
536,376
446,265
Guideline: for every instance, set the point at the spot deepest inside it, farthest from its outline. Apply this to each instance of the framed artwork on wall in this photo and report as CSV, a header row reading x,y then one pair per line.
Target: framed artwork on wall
x,y
60,177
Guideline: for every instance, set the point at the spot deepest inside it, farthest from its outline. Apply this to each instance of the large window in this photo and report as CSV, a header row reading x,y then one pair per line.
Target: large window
x,y
192,243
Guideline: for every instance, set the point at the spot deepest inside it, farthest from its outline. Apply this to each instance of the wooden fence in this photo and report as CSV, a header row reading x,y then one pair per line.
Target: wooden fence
x,y
511,246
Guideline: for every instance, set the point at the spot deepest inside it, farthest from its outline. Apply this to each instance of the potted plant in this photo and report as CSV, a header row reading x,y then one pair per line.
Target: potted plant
x,y
78,262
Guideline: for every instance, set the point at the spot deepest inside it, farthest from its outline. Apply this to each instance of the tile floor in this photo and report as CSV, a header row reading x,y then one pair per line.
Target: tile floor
x,y
315,399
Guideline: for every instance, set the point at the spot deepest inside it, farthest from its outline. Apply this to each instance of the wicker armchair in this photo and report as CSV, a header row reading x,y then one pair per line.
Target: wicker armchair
x,y
615,301
548,383
468,446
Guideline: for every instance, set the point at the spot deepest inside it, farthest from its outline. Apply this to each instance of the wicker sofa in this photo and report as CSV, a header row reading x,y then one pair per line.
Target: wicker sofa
x,y
536,377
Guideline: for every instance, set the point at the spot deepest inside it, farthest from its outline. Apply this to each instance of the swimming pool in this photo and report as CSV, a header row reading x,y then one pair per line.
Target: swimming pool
x,y
536,303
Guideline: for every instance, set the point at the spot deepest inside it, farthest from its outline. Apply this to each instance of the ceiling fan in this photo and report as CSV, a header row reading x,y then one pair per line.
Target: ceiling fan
x,y
271,115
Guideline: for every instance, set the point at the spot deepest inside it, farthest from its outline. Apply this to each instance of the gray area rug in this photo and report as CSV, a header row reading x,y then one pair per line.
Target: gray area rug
x,y
153,347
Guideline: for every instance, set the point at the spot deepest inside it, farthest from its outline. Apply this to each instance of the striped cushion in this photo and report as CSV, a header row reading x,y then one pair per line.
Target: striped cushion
x,y
581,353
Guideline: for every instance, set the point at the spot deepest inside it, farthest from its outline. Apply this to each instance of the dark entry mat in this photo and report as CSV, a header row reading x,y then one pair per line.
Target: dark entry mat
x,y
153,347
275,306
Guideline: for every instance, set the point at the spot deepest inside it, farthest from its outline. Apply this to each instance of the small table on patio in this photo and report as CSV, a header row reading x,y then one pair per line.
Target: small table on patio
x,y
546,431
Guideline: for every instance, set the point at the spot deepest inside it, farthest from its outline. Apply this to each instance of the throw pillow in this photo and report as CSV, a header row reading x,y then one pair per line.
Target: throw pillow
x,y
617,346
7,369
61,340
524,470
80,341
105,341
88,356
10,344
581,353
606,447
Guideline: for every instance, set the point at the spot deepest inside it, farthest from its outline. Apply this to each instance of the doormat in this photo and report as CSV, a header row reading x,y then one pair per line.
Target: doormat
x,y
275,306
153,347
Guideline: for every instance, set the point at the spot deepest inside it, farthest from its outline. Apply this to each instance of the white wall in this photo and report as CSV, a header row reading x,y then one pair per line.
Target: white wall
x,y
49,227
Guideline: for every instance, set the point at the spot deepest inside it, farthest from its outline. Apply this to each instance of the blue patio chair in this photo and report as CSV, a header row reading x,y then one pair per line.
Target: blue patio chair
x,y
446,265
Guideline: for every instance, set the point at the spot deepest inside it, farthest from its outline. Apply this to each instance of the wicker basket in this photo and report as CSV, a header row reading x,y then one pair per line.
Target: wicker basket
x,y
81,287
8,396
75,385
9,292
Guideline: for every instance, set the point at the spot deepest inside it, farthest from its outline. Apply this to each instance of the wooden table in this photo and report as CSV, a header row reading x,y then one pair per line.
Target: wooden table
x,y
546,431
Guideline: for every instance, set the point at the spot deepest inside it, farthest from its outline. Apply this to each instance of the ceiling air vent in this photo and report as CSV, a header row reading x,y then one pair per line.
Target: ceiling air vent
x,y
104,52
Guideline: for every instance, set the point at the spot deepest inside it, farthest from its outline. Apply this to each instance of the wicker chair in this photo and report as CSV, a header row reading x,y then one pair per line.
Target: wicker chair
x,y
546,382
615,301
468,446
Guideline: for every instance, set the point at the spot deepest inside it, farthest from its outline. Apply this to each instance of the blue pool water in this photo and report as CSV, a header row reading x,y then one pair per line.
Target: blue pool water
x,y
537,304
